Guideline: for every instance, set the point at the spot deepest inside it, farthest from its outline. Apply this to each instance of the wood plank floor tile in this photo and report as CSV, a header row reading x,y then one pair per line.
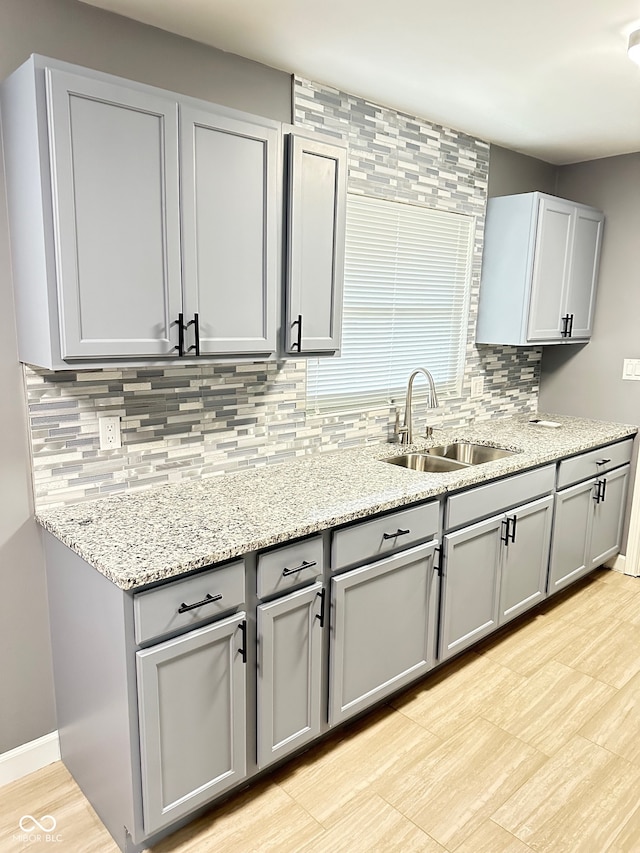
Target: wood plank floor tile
x,y
593,598
580,801
51,791
324,783
617,578
529,644
609,652
550,706
368,824
457,693
491,838
263,819
616,725
451,790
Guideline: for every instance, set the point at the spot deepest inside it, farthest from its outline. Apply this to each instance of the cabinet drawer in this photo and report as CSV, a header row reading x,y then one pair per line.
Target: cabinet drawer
x,y
595,462
494,497
158,611
371,539
286,567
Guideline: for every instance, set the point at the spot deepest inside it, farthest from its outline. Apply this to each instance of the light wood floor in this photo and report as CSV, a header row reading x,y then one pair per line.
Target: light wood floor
x,y
529,742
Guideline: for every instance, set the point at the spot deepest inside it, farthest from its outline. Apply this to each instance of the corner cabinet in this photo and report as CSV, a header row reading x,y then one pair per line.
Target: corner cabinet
x,y
539,271
317,195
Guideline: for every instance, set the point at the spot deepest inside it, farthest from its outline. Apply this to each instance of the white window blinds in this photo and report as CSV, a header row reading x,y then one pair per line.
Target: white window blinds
x,y
406,295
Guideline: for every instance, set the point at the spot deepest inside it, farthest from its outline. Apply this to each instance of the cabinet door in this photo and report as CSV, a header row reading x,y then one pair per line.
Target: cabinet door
x,y
470,585
581,292
525,558
230,231
114,160
192,715
552,257
608,517
289,672
380,632
316,224
573,514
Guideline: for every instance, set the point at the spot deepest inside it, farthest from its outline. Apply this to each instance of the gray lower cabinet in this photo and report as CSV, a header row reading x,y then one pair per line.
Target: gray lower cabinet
x,y
608,517
525,558
470,585
493,571
317,196
289,672
382,621
587,527
192,718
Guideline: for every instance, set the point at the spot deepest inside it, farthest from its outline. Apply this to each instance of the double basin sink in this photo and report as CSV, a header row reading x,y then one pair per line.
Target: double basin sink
x,y
449,457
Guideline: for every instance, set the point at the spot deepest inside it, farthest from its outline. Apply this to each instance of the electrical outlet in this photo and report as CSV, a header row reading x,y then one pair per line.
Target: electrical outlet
x,y
477,387
109,429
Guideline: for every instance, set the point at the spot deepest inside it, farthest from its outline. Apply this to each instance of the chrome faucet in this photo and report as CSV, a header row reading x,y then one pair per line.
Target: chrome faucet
x,y
406,430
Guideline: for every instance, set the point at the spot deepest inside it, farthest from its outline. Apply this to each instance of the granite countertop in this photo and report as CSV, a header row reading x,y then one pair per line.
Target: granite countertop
x,y
139,538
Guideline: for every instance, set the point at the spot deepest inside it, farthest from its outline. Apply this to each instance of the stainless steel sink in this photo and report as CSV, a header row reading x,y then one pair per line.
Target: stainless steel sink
x,y
469,454
449,457
422,462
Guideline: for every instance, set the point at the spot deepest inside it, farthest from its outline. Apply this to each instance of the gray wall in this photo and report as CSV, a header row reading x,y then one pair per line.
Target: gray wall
x,y
510,172
88,36
587,381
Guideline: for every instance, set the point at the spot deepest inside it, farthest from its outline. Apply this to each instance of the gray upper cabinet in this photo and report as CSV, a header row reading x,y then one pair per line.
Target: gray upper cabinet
x,y
138,219
539,270
230,237
317,190
115,208
192,716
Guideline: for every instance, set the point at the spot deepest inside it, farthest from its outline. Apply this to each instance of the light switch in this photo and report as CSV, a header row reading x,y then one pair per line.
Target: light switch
x,y
631,369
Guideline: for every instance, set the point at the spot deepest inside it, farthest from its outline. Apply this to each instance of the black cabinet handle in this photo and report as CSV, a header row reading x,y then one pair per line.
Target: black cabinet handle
x,y
297,345
320,615
564,333
602,461
196,323
439,556
398,532
208,599
504,535
603,495
598,495
181,327
570,330
243,648
303,565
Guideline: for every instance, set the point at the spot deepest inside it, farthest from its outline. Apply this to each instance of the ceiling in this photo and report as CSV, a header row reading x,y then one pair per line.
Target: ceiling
x,y
549,78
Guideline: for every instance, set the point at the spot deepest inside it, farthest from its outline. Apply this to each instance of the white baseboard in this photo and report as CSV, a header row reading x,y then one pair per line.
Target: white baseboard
x,y
617,563
29,757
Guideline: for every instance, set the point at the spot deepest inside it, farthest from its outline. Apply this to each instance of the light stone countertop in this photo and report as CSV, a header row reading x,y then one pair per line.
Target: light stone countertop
x,y
143,537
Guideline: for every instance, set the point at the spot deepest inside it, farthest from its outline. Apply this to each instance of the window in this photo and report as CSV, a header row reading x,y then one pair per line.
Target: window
x,y
406,296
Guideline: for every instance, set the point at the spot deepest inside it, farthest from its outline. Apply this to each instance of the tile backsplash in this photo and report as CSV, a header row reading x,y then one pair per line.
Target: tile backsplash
x,y
184,422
